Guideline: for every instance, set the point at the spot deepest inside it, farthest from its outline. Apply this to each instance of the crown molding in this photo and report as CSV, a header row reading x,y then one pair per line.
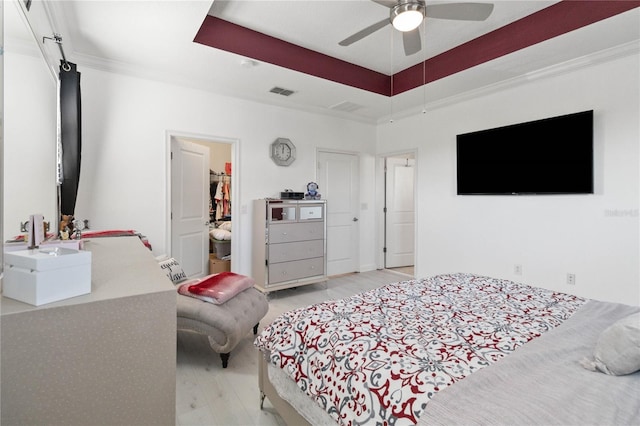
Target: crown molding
x,y
144,73
606,55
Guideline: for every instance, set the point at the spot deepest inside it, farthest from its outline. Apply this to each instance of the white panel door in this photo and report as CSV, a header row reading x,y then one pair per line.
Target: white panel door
x,y
400,227
338,178
190,206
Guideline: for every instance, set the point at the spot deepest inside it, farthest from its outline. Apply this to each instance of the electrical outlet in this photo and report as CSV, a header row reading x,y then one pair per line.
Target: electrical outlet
x,y
517,269
571,279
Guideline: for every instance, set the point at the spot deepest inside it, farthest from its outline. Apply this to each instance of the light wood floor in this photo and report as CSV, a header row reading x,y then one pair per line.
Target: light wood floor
x,y
408,270
207,394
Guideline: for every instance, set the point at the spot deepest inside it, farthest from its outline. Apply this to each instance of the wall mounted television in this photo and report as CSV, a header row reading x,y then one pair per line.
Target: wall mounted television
x,y
549,156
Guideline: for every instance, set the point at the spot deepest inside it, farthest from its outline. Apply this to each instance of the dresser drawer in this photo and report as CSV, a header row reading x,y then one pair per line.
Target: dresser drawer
x,y
285,252
290,232
311,212
287,271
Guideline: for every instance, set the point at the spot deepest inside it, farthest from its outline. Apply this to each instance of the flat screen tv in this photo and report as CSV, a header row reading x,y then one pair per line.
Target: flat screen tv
x,y
549,156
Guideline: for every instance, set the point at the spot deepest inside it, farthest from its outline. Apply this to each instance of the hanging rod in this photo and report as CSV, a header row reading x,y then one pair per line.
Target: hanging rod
x,y
58,40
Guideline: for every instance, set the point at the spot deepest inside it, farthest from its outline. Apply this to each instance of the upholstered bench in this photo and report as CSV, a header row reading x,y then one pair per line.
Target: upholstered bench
x,y
225,324
223,307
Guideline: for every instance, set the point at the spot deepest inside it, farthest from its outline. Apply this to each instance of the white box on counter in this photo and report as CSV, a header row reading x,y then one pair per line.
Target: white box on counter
x,y
46,275
22,245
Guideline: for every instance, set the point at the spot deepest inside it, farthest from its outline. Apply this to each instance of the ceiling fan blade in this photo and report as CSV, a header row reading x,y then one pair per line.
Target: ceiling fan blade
x,y
386,3
460,11
411,41
363,33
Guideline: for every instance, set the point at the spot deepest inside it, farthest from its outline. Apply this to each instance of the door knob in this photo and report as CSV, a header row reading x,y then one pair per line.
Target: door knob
x,y
355,219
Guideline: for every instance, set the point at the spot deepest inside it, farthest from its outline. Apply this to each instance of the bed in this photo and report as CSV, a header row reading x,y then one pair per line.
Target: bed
x,y
454,349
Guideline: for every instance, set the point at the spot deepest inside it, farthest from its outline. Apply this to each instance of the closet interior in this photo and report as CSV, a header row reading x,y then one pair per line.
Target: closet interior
x,y
220,194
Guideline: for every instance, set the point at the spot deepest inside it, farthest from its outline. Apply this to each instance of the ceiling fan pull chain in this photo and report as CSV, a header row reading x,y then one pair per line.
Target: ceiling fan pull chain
x,y
391,94
424,70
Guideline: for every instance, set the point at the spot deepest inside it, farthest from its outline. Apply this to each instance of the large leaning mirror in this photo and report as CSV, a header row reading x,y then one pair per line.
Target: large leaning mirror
x,y
30,123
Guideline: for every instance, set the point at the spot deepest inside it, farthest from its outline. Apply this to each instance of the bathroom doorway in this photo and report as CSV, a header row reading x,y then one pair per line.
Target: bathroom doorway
x,y
399,213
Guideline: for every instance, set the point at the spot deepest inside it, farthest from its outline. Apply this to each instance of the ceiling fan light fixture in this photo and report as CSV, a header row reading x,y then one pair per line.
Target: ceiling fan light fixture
x,y
407,16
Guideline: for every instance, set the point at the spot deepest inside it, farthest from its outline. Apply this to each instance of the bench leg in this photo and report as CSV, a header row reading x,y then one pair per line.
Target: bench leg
x,y
225,359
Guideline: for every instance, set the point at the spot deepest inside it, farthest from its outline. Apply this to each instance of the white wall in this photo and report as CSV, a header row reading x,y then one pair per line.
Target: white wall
x,y
595,237
125,150
124,173
123,177
220,155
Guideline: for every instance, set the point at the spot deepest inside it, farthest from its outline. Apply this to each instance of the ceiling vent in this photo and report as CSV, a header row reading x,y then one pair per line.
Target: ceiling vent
x,y
346,106
281,91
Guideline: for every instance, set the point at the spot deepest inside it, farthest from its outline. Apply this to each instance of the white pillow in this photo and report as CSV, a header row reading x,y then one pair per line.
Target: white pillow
x,y
173,270
220,234
618,349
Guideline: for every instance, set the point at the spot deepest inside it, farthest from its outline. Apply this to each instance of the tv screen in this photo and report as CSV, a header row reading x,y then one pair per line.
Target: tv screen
x,y
549,156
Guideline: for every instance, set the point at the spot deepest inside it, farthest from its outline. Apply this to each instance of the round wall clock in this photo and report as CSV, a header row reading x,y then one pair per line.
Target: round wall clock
x,y
283,152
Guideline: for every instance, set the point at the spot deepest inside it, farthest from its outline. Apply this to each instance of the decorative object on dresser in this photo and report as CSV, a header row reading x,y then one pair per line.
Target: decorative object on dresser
x,y
45,275
312,192
289,247
290,194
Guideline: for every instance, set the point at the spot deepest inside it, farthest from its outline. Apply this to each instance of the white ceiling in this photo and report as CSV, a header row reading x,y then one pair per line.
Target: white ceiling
x,y
154,39
319,25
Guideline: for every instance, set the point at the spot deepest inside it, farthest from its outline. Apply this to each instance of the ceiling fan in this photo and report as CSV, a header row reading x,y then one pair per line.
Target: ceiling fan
x,y
407,15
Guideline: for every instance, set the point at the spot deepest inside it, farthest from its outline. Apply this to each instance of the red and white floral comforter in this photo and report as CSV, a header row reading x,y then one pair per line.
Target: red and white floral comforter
x,y
378,357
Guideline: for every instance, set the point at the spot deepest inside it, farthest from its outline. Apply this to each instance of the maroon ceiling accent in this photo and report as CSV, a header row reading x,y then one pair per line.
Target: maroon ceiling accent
x,y
555,20
545,24
225,35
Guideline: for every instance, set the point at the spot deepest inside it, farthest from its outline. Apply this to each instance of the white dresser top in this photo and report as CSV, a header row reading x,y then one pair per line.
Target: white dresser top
x,y
120,267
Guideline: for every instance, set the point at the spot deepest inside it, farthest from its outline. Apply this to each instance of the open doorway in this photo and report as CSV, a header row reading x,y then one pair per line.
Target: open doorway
x,y
219,206
203,169
399,213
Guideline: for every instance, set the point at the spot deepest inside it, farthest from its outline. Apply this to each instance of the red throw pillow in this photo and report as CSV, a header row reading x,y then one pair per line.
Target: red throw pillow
x,y
217,288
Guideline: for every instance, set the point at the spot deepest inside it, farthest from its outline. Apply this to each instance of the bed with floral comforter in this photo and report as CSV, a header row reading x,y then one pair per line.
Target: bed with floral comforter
x,y
380,356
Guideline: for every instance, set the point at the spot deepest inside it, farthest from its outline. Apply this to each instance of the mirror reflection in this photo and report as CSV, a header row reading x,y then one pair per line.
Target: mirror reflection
x,y
30,126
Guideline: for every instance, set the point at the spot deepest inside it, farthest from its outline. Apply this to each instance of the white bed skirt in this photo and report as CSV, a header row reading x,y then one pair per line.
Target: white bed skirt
x,y
290,392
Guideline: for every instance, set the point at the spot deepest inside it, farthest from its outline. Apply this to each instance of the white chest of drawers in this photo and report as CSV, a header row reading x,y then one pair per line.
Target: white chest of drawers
x,y
289,243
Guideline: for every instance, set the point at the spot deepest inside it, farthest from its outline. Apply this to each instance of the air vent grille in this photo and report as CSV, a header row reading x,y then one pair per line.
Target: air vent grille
x,y
281,91
346,106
